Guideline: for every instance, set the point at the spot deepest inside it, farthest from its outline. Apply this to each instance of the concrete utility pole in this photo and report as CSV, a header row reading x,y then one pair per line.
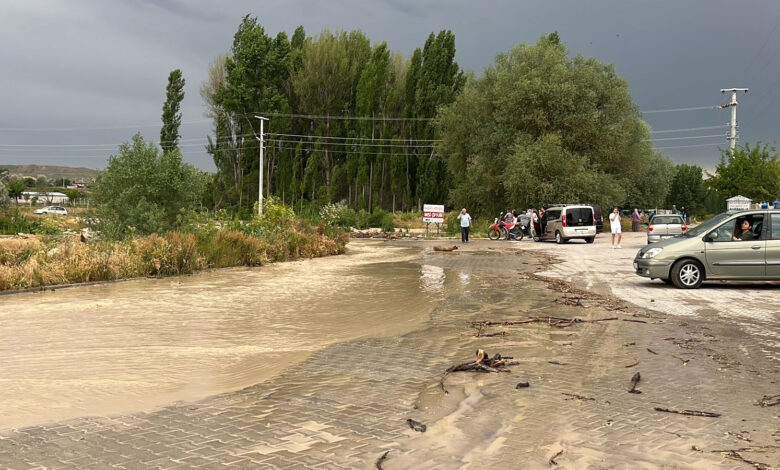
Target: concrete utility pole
x,y
733,104
260,168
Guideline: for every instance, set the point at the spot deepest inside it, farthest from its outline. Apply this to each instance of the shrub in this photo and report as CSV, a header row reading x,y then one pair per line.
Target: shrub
x,y
382,219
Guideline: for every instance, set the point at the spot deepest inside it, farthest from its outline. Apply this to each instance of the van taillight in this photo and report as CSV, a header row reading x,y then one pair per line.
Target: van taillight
x,y
594,220
563,220
650,228
684,228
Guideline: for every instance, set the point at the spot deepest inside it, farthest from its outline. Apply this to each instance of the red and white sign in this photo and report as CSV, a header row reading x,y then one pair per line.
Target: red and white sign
x,y
433,213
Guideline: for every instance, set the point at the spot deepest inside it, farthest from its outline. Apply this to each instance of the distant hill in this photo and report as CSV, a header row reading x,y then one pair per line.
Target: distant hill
x,y
53,172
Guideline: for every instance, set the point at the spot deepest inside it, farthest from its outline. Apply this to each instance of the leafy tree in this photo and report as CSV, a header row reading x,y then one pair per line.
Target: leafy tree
x,y
171,117
142,190
752,172
540,127
15,189
687,188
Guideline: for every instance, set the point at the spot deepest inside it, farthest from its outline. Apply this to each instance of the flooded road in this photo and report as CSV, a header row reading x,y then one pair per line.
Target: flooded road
x,y
141,344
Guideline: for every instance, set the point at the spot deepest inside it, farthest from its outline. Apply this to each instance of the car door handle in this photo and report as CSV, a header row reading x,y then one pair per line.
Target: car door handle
x,y
755,247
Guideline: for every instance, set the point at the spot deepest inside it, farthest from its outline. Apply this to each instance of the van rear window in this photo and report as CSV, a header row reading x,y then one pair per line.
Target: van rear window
x,y
579,217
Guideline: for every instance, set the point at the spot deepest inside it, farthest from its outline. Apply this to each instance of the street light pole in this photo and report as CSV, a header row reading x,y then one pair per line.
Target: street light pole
x,y
260,168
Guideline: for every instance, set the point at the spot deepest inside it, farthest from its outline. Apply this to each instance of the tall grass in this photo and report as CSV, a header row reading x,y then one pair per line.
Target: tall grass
x,y
38,263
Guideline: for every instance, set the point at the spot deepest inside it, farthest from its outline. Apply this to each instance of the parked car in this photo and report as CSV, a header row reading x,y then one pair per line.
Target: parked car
x,y
568,222
52,210
665,226
599,215
723,248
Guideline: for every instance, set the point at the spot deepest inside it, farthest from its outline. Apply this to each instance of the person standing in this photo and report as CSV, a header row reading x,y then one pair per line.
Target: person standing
x,y
614,225
465,225
635,218
777,203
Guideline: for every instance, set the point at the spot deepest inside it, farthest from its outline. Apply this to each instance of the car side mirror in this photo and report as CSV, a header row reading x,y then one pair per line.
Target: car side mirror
x,y
711,237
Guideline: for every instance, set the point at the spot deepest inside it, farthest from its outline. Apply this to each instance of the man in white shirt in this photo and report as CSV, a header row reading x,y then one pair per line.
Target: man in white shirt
x,y
614,224
465,225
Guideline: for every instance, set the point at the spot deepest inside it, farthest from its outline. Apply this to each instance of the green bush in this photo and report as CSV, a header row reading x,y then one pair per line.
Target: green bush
x,y
381,219
13,222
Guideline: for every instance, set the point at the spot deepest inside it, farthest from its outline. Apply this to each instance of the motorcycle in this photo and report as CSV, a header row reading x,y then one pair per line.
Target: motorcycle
x,y
501,230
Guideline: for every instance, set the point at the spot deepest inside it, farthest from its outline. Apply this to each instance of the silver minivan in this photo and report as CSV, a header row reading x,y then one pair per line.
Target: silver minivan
x,y
569,222
743,245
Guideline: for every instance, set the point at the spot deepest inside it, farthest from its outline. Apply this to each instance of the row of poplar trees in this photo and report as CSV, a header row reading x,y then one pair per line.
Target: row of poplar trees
x,y
350,121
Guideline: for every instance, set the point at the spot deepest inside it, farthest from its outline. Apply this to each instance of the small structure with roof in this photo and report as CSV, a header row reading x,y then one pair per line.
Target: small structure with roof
x,y
738,203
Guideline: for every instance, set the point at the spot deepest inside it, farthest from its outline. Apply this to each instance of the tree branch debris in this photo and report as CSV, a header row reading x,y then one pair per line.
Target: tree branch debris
x,y
705,414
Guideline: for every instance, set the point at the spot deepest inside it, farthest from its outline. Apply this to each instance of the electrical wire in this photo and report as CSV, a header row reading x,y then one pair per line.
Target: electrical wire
x,y
686,146
343,144
690,129
683,138
353,138
672,110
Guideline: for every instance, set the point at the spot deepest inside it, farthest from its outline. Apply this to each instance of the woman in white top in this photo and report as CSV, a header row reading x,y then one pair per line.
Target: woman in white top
x,y
614,224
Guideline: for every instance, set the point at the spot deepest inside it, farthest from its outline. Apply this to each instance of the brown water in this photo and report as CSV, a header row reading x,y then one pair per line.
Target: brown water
x,y
138,345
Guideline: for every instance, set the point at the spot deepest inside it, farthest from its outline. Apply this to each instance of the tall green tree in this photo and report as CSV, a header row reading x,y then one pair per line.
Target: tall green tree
x,y
687,188
142,190
541,127
752,172
171,115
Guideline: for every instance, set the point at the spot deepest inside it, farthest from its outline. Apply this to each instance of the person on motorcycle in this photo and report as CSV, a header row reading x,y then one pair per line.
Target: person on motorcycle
x,y
509,222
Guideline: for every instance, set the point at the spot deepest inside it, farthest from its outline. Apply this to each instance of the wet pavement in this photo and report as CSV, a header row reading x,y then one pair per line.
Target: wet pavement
x,y
344,404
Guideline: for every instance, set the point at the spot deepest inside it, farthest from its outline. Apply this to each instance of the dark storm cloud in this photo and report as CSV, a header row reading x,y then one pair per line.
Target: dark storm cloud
x,y
90,64
184,10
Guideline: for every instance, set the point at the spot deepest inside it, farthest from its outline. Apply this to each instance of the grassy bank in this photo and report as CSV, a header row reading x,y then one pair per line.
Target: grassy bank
x,y
201,243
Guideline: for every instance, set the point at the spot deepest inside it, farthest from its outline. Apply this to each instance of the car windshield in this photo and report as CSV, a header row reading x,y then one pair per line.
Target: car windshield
x,y
706,226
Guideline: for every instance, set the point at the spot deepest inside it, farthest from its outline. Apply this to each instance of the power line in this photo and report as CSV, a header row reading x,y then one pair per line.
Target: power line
x,y
768,37
672,110
683,138
686,146
353,138
343,144
722,126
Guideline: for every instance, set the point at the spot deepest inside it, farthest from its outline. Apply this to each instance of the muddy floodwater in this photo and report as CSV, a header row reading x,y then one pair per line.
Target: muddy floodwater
x,y
137,345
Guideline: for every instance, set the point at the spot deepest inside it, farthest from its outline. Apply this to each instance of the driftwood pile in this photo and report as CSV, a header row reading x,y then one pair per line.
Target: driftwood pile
x,y
482,363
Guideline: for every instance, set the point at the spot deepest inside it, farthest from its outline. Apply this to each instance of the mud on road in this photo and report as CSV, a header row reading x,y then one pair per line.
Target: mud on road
x,y
347,403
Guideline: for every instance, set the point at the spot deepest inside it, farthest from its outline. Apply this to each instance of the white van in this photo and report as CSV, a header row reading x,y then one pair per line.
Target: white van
x,y
569,222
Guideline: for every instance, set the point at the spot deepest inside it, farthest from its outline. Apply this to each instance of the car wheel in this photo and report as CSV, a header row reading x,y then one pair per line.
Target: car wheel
x,y
687,274
558,238
590,239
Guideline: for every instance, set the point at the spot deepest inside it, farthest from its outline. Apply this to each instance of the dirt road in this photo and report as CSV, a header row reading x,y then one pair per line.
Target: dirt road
x,y
347,404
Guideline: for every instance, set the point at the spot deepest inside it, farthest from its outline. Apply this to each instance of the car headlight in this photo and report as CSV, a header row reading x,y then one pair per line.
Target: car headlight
x,y
652,253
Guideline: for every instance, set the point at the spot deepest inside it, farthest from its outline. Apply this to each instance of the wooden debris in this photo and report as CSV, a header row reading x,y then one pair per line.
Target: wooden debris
x,y
577,297
482,363
416,425
578,397
634,381
522,385
445,248
556,363
705,414
381,459
769,400
481,334
552,459
632,364
684,361
734,455
651,351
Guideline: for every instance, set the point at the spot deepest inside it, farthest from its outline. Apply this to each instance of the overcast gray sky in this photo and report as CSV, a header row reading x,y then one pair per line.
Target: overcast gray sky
x,y
80,76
